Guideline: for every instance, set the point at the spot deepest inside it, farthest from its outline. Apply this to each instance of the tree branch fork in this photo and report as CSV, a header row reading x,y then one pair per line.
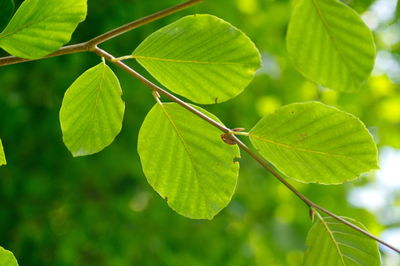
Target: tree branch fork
x,y
92,46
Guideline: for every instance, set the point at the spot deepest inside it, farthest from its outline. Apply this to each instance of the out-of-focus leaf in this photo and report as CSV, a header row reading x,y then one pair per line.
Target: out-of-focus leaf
x,y
6,11
330,44
40,27
200,57
313,142
92,111
186,162
333,243
7,258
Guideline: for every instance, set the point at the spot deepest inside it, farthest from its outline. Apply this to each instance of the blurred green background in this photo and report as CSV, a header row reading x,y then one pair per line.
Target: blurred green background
x,y
100,210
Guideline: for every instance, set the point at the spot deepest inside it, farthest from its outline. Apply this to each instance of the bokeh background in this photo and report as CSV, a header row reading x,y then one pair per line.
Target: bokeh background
x,y
100,210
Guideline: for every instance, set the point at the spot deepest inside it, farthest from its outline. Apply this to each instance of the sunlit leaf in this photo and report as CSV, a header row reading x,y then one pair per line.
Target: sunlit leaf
x,y
313,142
330,44
200,57
92,111
333,243
2,155
7,258
6,11
40,27
186,162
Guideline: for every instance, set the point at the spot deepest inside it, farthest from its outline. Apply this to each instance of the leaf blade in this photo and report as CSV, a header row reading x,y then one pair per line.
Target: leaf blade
x,y
7,258
330,44
92,111
186,162
3,160
40,27
330,240
315,143
200,57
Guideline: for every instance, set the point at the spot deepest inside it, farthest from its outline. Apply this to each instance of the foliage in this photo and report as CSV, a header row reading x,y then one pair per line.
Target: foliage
x,y
186,162
312,142
7,258
333,242
2,156
182,156
192,45
330,44
40,27
92,111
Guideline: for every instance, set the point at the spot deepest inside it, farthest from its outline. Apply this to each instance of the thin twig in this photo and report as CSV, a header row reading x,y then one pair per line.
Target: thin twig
x,y
91,44
243,146
142,21
70,49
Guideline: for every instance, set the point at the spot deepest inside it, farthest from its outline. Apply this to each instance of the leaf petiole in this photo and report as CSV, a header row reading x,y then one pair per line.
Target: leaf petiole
x,y
117,59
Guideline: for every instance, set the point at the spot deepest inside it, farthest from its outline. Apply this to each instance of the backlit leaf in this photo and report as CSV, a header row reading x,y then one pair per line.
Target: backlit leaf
x,y
2,156
333,243
7,258
200,57
40,27
330,44
313,142
186,162
92,111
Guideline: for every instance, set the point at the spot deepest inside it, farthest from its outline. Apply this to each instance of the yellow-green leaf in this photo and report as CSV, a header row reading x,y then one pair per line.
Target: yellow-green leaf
x,y
40,27
313,142
2,155
7,258
92,111
200,57
330,44
333,243
186,162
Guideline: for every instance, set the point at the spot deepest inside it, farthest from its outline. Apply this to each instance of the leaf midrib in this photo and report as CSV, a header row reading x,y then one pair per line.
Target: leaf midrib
x,y
331,35
98,89
185,146
288,146
172,60
332,237
27,25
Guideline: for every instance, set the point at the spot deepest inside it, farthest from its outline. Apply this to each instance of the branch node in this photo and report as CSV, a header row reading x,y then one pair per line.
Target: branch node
x,y
312,214
228,138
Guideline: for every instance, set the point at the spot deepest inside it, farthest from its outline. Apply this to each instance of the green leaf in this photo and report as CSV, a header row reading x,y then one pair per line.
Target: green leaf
x,y
313,142
331,241
92,111
330,44
6,11
398,9
7,258
40,27
200,57
2,155
186,162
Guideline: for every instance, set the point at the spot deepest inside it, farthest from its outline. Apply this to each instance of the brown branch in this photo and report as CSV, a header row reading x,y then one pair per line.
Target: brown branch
x,y
91,44
70,49
243,146
140,22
